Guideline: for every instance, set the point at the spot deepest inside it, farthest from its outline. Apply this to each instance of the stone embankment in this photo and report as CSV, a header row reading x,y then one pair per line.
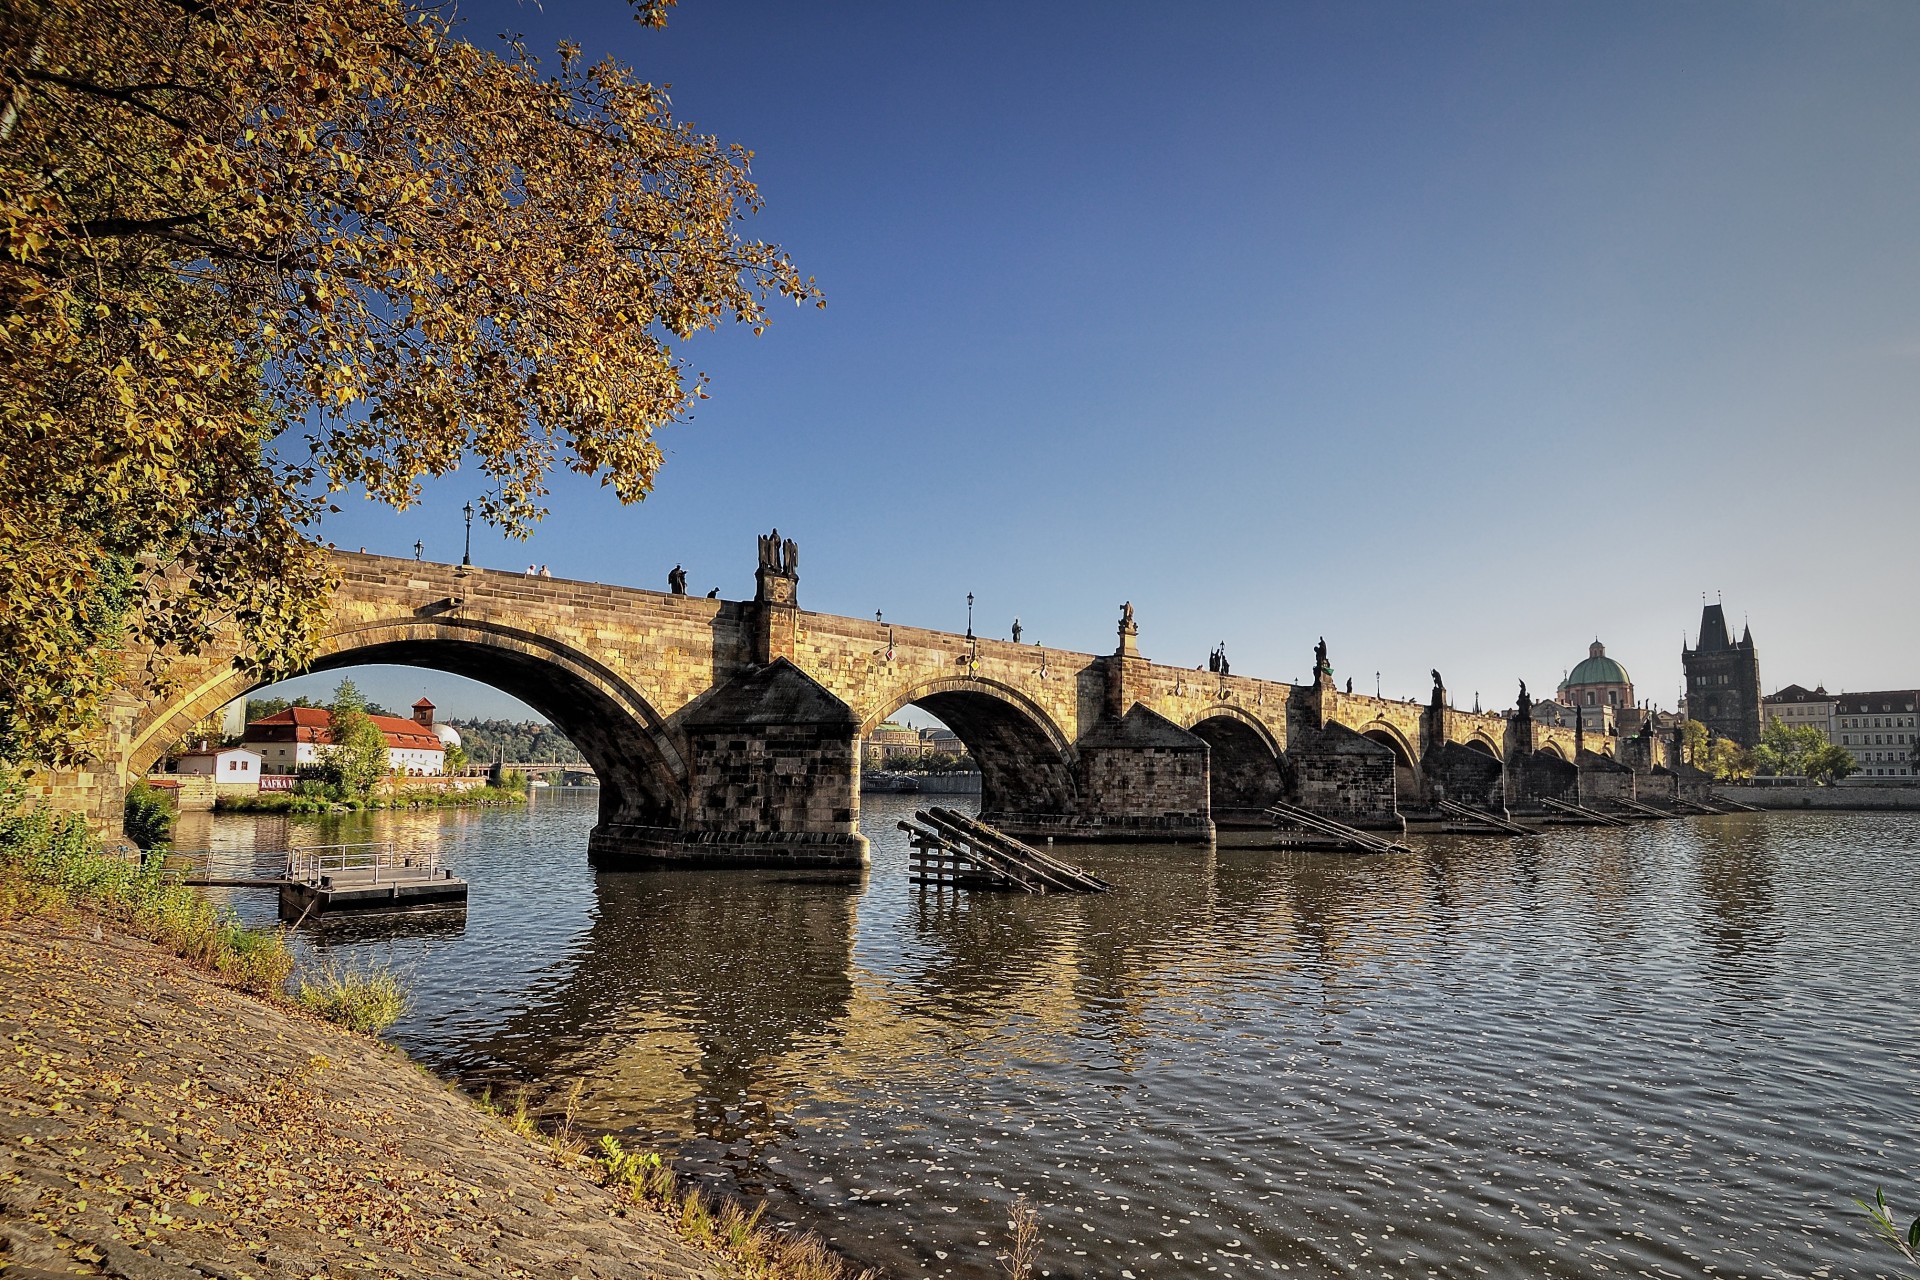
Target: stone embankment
x,y
1840,797
156,1125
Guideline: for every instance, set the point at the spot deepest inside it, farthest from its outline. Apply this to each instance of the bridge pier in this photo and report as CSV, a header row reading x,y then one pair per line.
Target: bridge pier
x,y
1141,777
774,782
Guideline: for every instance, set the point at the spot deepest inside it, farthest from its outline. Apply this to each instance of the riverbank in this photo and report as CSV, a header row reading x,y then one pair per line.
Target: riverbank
x,y
1840,798
157,1123
488,797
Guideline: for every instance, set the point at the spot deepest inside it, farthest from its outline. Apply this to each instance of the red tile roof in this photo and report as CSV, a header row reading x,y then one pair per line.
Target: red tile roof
x,y
315,725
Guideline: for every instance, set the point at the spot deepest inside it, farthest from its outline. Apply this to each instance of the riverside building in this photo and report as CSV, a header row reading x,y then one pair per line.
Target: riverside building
x,y
1878,728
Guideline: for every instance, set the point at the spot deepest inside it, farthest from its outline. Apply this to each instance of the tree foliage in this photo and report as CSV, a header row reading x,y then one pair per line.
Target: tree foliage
x,y
357,758
1723,758
1801,751
261,251
515,742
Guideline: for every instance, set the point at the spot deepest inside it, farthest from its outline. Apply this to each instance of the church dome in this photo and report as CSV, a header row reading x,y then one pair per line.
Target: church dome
x,y
1597,668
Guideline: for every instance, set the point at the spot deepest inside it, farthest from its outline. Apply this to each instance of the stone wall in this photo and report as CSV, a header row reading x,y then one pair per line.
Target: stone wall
x,y
1541,775
1141,776
1844,797
1603,780
1656,787
1466,775
775,779
1343,776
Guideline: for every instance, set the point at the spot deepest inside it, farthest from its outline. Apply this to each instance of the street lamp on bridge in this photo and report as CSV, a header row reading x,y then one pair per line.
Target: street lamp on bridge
x,y
466,556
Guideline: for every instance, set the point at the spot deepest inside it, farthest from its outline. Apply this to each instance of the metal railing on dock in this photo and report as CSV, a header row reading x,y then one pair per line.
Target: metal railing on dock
x,y
1485,818
955,850
1336,834
369,862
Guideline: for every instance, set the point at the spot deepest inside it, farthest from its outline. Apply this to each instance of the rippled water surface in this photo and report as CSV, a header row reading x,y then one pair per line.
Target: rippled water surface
x,y
1673,1050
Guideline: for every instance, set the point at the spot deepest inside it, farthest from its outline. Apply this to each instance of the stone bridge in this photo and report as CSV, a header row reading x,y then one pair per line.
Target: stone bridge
x,y
728,731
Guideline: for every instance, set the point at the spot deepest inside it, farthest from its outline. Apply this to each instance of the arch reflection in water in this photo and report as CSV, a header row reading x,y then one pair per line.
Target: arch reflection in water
x,y
685,1003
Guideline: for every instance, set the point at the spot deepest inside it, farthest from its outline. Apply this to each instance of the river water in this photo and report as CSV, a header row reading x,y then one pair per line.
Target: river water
x,y
1677,1049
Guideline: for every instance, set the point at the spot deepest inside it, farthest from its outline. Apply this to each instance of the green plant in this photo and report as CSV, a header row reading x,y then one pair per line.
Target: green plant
x,y
368,1000
757,1254
358,757
51,861
148,815
1880,1216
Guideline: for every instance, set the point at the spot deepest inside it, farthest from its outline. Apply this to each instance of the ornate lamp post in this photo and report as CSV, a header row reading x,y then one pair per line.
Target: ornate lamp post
x,y
973,646
419,549
466,556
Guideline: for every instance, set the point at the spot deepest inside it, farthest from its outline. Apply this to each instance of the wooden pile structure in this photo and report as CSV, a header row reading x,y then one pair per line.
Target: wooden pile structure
x,y
1579,816
1303,829
1635,809
1485,820
951,849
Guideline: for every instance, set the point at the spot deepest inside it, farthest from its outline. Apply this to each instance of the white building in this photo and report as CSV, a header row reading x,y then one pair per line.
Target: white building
x,y
1799,708
1878,728
223,764
299,736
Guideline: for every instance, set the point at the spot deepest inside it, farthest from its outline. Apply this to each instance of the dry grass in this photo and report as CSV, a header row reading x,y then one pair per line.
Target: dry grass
x,y
1023,1233
368,1000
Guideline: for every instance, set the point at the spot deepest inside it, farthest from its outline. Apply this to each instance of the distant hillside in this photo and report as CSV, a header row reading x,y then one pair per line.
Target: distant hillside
x,y
514,742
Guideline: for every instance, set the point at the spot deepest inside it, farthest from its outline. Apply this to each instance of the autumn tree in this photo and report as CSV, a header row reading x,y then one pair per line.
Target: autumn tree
x,y
260,252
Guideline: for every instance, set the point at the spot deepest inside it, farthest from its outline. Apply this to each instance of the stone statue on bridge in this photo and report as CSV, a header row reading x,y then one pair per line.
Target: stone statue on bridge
x,y
778,572
777,556
1320,657
1524,707
1127,627
677,580
1439,687
1016,631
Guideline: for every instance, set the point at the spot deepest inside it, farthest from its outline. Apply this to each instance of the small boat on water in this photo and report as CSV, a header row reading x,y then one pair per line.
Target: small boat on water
x,y
890,783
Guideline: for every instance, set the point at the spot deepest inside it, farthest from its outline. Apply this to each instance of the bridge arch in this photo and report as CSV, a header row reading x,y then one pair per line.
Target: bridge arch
x,y
642,770
1247,768
1555,750
1482,741
1406,761
1026,762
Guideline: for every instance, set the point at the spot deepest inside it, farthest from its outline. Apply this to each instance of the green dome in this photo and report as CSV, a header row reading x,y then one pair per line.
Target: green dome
x,y
1598,668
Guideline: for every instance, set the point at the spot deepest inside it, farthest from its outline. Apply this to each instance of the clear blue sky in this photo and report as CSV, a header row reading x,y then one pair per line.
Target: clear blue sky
x,y
1456,333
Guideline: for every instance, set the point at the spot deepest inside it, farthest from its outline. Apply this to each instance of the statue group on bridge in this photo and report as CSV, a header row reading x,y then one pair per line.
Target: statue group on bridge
x,y
779,557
